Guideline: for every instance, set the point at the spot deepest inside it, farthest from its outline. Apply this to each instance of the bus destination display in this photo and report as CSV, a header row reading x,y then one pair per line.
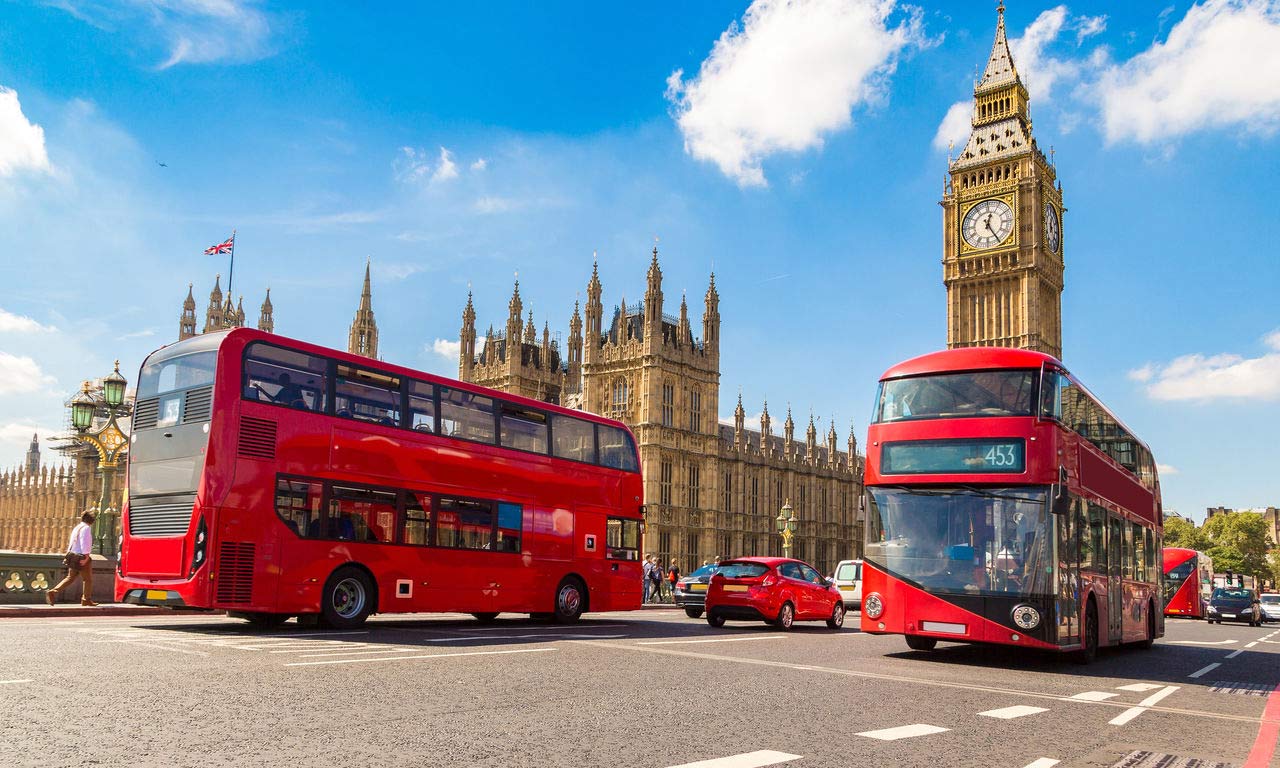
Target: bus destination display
x,y
976,455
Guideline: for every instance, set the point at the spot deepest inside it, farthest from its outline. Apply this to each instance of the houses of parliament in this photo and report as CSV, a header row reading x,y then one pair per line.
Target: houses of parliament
x,y
711,488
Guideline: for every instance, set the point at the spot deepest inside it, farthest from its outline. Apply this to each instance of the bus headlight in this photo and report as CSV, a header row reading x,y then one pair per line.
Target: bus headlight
x,y
872,606
1026,616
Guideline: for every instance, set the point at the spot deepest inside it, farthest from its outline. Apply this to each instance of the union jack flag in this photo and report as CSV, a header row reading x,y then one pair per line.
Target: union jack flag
x,y
224,247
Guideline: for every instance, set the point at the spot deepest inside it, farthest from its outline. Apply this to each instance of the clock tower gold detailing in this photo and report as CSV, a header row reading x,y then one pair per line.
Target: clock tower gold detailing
x,y
1002,222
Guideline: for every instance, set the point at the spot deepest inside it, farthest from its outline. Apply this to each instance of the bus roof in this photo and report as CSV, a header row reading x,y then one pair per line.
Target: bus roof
x,y
216,339
970,359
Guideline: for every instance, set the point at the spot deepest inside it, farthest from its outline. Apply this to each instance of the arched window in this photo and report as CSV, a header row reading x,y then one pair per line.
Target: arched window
x,y
620,394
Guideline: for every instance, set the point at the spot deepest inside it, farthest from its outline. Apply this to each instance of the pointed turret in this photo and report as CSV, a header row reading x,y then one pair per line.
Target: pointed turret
x,y
240,313
467,341
739,423
1000,69
653,300
853,449
33,455
187,321
711,319
831,443
788,435
266,318
363,337
766,431
515,309
530,332
574,383
811,441
213,316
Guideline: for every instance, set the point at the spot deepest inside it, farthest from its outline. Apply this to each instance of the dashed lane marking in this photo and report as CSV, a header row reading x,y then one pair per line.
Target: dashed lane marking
x,y
756,759
1009,713
1043,762
13,682
548,636
1205,670
427,656
509,627
904,732
1234,653
332,654
1092,696
710,640
1139,687
1200,642
1143,705
1250,645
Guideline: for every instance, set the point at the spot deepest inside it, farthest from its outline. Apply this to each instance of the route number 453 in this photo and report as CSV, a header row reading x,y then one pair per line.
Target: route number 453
x,y
1001,456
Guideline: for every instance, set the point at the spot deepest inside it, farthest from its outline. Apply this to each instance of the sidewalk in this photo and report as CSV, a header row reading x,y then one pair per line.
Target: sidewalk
x,y
42,610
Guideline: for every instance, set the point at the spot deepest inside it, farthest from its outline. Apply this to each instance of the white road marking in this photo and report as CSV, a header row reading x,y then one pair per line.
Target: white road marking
x,y
1043,762
904,732
1205,670
510,627
1200,642
557,636
1250,645
354,653
429,656
1008,713
709,640
747,760
161,647
1133,712
1092,696
13,682
1234,653
1139,687
326,648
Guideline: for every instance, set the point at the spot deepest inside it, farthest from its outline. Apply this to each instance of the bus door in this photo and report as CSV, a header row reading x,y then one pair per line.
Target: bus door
x,y
1115,579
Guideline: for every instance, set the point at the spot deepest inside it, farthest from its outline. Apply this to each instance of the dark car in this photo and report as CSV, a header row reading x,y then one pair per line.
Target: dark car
x,y
1234,604
691,591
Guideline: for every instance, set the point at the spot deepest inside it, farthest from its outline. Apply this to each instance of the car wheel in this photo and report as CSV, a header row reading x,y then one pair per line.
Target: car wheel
x,y
486,617
918,643
347,599
570,601
837,617
693,613
786,617
1089,649
715,619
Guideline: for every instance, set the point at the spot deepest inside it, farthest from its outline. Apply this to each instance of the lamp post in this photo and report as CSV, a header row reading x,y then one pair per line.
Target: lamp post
x,y
109,441
786,526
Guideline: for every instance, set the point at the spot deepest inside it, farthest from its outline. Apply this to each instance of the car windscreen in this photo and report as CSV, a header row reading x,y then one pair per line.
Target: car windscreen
x,y
1271,599
742,570
704,572
847,572
957,395
1231,594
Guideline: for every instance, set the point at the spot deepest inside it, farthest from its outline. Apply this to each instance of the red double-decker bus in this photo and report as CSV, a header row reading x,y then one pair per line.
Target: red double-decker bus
x,y
274,478
1007,505
1188,580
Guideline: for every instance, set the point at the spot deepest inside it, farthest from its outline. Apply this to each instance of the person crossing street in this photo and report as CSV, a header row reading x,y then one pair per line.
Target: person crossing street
x,y
79,562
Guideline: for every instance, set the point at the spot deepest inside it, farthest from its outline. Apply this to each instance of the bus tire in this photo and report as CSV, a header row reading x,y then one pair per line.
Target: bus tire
x,y
1089,637
571,600
1151,628
693,613
265,620
486,617
347,599
919,643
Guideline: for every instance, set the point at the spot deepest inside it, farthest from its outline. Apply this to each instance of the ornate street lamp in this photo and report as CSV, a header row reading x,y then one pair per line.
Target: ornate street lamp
x,y
787,524
109,441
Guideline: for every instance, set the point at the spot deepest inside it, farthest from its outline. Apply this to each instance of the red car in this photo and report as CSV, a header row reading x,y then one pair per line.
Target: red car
x,y
775,590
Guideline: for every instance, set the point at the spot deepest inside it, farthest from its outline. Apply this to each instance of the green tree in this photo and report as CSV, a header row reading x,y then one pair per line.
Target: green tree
x,y
1238,542
1181,532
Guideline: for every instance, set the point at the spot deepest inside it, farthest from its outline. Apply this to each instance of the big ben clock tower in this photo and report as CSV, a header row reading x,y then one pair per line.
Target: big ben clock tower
x,y
1002,223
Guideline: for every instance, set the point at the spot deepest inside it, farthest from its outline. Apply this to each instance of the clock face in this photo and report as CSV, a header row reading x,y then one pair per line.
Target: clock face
x,y
1052,233
988,223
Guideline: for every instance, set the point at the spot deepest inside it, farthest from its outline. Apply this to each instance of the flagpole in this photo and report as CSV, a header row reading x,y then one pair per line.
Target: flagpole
x,y
231,272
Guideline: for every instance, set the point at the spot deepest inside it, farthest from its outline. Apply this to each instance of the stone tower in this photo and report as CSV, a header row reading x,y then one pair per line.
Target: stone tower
x,y
215,315
32,463
265,320
1002,222
187,321
363,339
513,360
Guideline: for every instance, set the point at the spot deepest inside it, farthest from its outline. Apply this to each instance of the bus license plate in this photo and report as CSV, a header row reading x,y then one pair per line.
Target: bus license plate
x,y
157,594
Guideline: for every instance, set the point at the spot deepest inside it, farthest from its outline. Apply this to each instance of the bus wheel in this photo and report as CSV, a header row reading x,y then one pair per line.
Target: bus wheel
x,y
485,618
346,601
693,613
1151,629
918,643
570,601
1089,651
265,620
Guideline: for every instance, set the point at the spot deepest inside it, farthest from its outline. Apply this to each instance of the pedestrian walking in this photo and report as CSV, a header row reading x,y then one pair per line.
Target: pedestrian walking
x,y
673,576
646,582
78,562
655,580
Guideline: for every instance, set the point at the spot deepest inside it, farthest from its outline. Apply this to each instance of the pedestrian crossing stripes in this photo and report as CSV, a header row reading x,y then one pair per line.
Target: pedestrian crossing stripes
x,y
904,732
757,759
1009,713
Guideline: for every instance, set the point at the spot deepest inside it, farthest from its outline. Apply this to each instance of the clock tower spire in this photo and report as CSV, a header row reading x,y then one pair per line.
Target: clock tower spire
x,y
1002,222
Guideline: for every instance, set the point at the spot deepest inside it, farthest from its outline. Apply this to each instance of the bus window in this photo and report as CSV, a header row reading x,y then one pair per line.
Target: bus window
x,y
1139,552
510,518
422,406
1051,394
523,428
417,522
464,524
1095,556
573,439
616,449
466,415
284,377
622,539
361,514
298,505
366,395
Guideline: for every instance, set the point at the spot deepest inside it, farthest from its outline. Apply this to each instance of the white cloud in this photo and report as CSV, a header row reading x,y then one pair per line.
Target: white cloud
x,y
1088,26
413,166
789,74
955,126
20,375
1219,67
11,323
146,333
1215,377
1166,469
447,168
480,164
448,349
395,272
21,141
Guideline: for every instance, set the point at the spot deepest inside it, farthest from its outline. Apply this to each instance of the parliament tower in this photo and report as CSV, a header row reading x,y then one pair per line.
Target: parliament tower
x,y
1002,222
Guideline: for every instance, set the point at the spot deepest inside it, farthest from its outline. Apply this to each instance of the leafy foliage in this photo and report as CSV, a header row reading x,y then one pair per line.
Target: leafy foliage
x,y
1239,542
1181,532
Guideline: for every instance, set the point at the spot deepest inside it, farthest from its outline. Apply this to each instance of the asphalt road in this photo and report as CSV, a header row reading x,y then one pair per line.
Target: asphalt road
x,y
651,689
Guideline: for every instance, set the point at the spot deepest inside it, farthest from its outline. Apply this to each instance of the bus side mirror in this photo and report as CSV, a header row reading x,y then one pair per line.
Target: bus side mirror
x,y
1061,499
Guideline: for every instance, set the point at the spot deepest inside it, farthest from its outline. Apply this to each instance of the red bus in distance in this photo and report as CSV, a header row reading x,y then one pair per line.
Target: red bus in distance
x,y
275,478
1006,505
1188,581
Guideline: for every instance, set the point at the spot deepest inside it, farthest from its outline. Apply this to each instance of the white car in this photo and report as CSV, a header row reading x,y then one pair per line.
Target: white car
x,y
1270,607
848,579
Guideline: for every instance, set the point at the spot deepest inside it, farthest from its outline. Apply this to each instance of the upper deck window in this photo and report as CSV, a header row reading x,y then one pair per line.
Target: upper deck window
x,y
366,395
616,449
285,377
957,395
466,415
523,428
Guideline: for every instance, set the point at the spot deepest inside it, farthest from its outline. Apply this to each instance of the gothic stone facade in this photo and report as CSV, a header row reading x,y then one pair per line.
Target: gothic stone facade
x,y
710,489
1002,223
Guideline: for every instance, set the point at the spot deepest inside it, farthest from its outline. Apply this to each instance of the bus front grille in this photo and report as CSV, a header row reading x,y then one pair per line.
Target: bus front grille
x,y
170,516
235,572
198,405
257,438
146,413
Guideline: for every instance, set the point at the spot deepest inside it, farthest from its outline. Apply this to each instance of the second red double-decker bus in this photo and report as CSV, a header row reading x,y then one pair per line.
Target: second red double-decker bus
x,y
1007,505
274,478
1188,580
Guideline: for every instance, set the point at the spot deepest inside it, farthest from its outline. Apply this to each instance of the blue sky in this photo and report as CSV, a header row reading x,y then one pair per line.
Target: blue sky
x,y
797,148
